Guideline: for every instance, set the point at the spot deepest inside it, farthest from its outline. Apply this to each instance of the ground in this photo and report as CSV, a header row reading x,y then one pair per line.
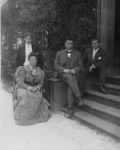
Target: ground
x,y
59,133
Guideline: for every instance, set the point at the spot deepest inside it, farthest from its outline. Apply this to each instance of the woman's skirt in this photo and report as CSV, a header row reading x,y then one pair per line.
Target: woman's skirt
x,y
30,108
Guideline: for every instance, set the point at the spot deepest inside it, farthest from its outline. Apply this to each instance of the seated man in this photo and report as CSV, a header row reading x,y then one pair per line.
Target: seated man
x,y
68,64
94,61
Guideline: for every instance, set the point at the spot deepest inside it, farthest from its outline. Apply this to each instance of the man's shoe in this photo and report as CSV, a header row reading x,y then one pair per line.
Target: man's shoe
x,y
80,101
69,113
102,89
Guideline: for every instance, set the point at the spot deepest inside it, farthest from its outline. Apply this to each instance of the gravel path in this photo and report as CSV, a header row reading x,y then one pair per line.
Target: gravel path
x,y
58,133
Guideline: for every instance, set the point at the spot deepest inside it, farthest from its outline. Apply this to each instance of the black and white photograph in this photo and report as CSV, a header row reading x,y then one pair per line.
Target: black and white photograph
x,y
60,75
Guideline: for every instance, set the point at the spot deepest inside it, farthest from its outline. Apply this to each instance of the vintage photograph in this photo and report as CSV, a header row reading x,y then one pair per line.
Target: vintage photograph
x,y
60,75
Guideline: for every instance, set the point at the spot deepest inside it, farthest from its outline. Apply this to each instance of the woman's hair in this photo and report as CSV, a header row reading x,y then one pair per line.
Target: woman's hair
x,y
32,54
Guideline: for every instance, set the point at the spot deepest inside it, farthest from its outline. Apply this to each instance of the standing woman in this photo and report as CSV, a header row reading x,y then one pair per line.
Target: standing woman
x,y
30,107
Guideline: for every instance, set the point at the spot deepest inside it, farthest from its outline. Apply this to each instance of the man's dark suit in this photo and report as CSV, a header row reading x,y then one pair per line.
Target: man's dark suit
x,y
75,62
20,59
98,62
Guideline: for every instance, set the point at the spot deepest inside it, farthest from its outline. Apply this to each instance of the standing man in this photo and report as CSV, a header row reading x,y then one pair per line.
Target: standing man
x,y
25,49
68,64
94,61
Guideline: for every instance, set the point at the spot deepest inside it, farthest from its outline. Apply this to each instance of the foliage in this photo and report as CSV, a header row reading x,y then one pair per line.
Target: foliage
x,y
34,16
6,65
49,21
77,18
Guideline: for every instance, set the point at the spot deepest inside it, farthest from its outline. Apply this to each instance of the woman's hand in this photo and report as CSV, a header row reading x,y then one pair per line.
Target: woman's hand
x,y
39,88
29,88
34,89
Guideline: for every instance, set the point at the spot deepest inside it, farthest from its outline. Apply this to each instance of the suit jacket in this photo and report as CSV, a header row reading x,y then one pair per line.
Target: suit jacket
x,y
98,61
63,62
20,59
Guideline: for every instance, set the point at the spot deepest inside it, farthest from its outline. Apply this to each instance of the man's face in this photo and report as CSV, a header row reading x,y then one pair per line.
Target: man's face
x,y
95,44
69,44
28,39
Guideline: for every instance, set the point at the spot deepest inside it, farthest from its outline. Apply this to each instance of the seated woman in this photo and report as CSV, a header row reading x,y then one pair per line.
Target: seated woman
x,y
30,107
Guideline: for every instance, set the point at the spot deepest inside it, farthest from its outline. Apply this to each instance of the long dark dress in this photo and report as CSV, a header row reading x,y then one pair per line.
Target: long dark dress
x,y
29,107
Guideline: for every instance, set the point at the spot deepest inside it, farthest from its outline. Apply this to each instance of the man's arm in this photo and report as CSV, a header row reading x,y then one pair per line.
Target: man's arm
x,y
57,64
20,76
101,59
36,49
18,59
79,66
40,60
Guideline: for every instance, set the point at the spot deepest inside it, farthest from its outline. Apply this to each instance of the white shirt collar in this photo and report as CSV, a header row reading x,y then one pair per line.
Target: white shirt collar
x,y
94,52
28,50
97,49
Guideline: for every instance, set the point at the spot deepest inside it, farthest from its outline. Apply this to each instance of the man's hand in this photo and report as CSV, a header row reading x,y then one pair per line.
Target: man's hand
x,y
91,68
66,71
72,71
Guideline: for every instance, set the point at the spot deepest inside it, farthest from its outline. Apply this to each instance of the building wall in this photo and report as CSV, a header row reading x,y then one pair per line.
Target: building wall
x,y
107,28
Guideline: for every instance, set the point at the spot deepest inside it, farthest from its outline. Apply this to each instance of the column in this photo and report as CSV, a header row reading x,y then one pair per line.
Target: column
x,y
107,28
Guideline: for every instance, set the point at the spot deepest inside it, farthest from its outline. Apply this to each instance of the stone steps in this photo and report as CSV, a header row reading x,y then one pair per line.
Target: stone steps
x,y
106,99
103,108
113,89
98,123
113,79
101,111
100,114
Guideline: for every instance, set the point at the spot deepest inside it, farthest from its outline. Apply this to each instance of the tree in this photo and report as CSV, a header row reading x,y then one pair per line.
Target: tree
x,y
35,16
50,21
20,16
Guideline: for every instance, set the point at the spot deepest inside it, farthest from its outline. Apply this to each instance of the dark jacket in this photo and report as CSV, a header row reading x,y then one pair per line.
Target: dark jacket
x,y
63,62
98,61
20,59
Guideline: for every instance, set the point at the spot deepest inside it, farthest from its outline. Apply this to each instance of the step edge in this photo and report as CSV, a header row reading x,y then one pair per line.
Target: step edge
x,y
101,115
113,76
95,116
112,86
97,129
106,122
105,96
104,101
107,101
99,108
